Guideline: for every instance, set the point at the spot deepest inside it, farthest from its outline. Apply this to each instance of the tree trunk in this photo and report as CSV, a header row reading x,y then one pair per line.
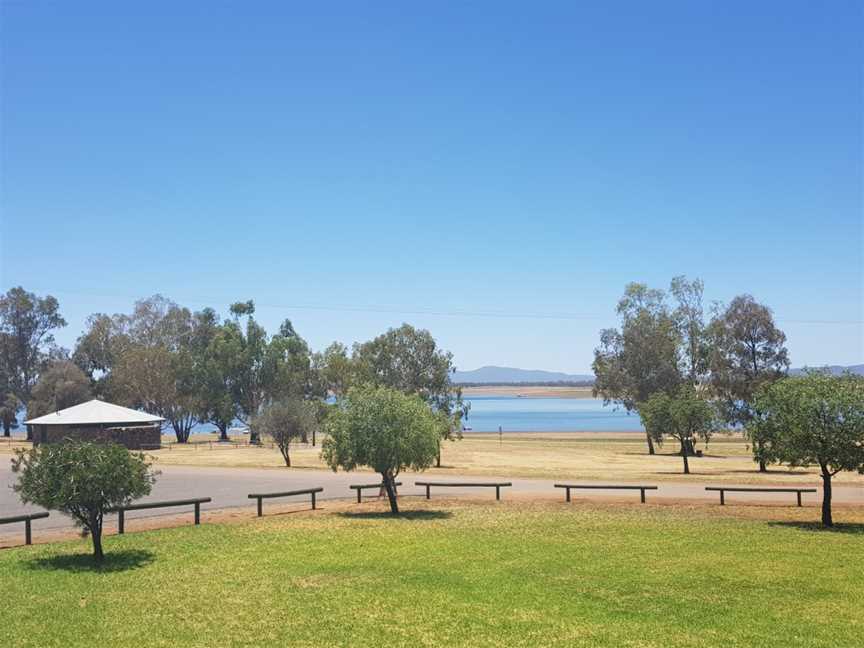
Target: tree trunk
x,y
389,485
7,428
438,456
314,431
650,443
287,457
95,528
686,463
763,467
826,497
223,433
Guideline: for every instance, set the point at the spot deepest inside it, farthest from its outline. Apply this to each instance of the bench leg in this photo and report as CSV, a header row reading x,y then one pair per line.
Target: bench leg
x,y
260,506
497,492
722,498
28,537
197,513
799,497
567,496
427,493
121,522
313,501
642,494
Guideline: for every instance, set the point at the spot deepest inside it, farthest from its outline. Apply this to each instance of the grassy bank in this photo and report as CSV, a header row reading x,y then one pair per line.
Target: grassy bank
x,y
455,574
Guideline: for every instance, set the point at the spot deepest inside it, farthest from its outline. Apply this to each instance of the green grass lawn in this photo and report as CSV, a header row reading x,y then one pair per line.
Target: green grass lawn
x,y
449,574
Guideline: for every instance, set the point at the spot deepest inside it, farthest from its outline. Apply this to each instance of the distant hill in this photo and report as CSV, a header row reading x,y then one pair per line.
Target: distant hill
x,y
834,369
508,375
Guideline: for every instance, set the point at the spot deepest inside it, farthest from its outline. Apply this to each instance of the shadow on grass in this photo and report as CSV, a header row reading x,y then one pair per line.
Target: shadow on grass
x,y
114,561
852,528
403,515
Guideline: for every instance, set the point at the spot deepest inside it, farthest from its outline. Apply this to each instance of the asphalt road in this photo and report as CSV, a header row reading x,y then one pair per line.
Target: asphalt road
x,y
229,487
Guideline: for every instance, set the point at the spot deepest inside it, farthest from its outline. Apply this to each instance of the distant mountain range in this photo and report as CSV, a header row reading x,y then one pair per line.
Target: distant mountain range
x,y
493,374
507,375
834,369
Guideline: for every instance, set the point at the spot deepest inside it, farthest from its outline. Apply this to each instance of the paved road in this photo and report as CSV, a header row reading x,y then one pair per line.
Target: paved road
x,y
229,487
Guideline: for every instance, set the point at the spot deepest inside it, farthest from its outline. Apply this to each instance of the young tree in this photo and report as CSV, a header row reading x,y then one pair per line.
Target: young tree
x,y
814,419
409,360
747,352
26,325
83,480
684,416
642,358
286,422
61,385
384,429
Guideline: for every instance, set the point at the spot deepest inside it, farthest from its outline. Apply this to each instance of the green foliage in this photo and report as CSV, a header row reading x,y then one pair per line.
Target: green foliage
x,y
813,419
385,430
60,386
409,360
684,416
83,480
286,422
10,404
26,339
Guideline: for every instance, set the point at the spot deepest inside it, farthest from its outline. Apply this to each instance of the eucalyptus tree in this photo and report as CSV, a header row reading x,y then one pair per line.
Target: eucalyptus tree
x,y
815,419
689,316
62,384
27,323
685,416
748,352
286,422
10,405
409,360
642,358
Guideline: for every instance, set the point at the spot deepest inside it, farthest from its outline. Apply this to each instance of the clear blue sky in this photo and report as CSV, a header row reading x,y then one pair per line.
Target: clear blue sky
x,y
494,172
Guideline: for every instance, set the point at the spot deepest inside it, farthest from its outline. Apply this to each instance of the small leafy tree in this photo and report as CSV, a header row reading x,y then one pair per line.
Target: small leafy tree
x,y
814,419
83,480
9,406
384,429
286,422
60,386
684,416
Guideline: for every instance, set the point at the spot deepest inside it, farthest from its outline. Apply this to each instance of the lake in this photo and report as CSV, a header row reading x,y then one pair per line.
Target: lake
x,y
547,415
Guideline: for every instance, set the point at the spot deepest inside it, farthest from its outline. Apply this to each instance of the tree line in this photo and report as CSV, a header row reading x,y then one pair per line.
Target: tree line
x,y
194,367
689,375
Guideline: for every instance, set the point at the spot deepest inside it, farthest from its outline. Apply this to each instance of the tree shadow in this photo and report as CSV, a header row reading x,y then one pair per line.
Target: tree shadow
x,y
403,515
115,561
853,528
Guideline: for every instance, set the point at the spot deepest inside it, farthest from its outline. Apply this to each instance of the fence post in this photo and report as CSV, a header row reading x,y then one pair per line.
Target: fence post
x,y
260,506
722,499
359,490
28,538
121,514
427,491
197,512
798,493
313,501
497,492
642,494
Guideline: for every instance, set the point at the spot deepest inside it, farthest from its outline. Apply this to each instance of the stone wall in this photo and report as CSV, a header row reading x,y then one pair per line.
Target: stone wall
x,y
135,438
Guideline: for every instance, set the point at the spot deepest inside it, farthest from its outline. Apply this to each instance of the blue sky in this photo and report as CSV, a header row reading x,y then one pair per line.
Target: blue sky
x,y
495,172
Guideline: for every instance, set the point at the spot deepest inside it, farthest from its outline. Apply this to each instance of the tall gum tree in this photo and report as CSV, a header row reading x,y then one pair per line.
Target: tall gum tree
x,y
748,352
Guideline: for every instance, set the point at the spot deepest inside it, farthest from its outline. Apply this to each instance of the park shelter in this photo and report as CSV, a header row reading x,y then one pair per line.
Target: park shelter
x,y
97,420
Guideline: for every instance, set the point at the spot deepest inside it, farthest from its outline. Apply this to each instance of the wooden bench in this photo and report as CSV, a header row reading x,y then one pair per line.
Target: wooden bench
x,y
361,487
303,491
496,485
26,519
121,510
755,489
640,488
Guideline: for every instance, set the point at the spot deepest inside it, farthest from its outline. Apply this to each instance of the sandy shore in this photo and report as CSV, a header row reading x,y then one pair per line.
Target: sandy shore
x,y
530,391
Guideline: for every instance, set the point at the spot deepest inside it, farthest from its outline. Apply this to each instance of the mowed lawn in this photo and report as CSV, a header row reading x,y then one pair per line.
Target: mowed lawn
x,y
451,574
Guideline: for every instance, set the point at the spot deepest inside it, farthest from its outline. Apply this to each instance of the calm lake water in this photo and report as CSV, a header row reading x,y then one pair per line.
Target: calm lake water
x,y
535,415
547,415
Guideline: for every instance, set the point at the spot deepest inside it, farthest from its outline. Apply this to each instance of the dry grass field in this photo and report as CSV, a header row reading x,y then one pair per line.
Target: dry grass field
x,y
584,455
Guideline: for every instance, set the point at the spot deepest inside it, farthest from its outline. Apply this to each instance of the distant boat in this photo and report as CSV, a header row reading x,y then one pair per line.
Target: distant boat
x,y
467,429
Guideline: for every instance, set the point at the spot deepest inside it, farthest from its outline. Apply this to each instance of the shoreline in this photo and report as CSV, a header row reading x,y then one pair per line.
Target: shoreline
x,y
527,391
